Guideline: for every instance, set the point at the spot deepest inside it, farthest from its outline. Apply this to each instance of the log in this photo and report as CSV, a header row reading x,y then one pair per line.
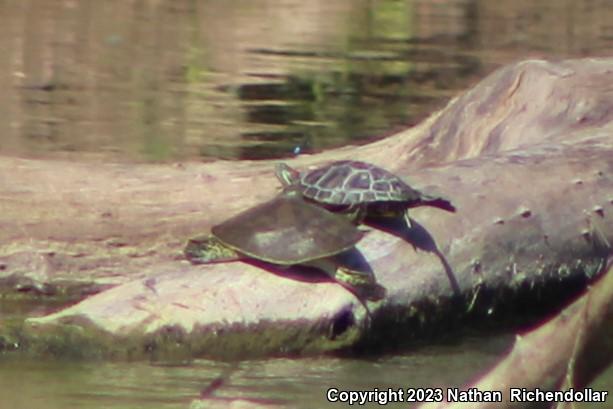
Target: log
x,y
564,354
526,156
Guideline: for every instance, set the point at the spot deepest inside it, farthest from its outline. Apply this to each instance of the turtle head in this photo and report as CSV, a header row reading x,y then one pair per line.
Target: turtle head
x,y
286,174
208,249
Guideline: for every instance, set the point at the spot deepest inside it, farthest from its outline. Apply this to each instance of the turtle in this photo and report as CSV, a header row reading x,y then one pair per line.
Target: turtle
x,y
358,189
288,231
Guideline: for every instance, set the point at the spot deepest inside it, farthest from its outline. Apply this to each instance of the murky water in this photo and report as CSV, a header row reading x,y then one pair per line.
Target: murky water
x,y
296,382
184,79
170,80
300,383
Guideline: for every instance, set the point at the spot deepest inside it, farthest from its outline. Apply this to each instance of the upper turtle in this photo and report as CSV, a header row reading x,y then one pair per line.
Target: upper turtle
x,y
355,183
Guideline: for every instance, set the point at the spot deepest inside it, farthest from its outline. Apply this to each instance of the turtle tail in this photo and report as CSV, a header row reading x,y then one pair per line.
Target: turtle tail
x,y
438,202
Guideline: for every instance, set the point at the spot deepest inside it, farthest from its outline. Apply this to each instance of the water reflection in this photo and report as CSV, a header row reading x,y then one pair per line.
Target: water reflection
x,y
301,383
53,385
254,79
295,383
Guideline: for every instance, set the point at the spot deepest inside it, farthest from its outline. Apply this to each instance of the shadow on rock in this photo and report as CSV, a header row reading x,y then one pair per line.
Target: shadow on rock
x,y
418,237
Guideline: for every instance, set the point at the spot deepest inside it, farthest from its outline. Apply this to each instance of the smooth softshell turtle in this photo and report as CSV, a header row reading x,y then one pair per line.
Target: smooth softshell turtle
x,y
358,189
288,231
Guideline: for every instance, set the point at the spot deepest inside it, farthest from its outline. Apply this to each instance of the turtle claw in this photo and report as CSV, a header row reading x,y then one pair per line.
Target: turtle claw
x,y
407,219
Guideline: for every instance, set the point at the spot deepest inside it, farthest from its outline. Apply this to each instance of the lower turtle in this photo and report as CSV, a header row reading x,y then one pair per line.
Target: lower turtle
x,y
288,231
359,189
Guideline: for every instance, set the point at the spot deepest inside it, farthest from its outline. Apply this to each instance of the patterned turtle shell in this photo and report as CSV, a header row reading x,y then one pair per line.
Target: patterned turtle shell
x,y
353,183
